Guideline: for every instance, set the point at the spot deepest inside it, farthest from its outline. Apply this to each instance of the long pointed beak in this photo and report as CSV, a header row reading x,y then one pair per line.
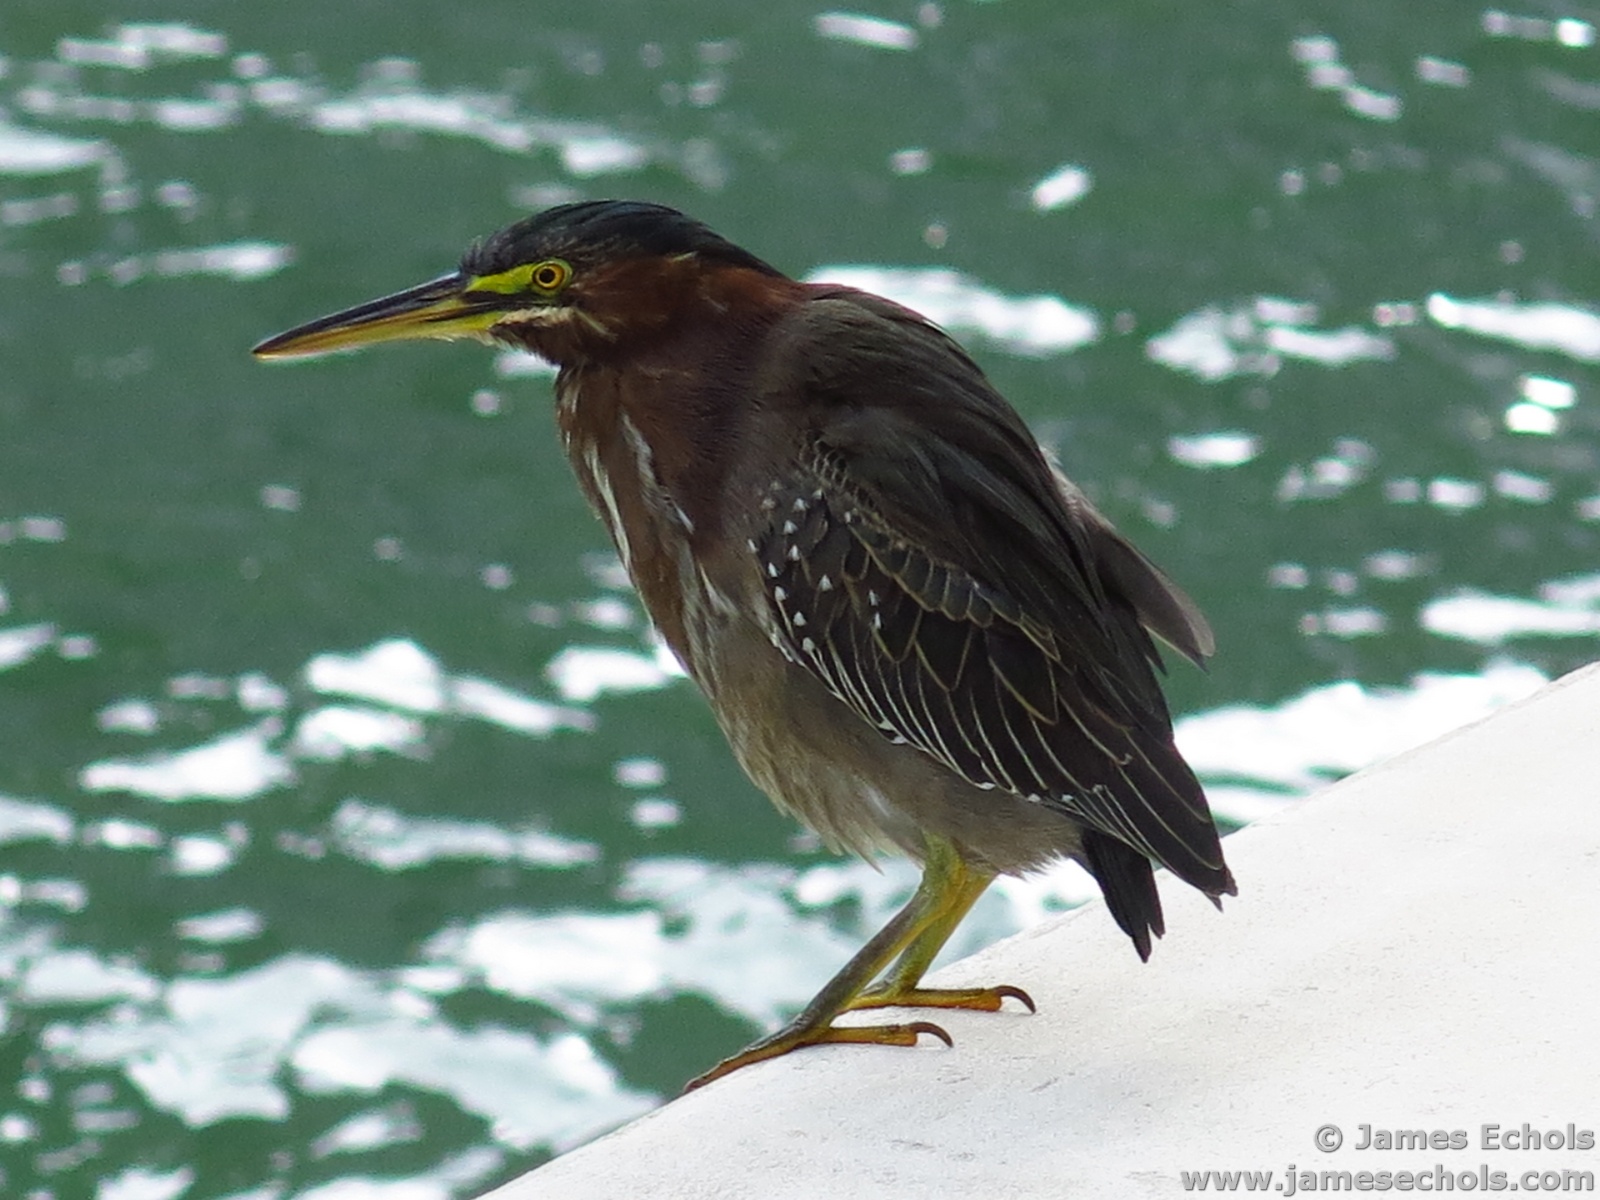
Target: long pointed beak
x,y
441,308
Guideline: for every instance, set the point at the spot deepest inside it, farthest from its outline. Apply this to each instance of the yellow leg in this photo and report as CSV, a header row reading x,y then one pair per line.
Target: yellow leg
x,y
948,889
899,988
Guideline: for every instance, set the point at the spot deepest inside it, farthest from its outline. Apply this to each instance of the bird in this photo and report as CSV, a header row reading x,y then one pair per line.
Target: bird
x,y
915,632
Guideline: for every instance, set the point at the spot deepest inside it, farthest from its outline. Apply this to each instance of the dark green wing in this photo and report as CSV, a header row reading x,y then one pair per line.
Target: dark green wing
x,y
923,562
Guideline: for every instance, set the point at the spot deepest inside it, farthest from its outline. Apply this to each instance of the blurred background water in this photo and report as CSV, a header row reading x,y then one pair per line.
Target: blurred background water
x,y
356,838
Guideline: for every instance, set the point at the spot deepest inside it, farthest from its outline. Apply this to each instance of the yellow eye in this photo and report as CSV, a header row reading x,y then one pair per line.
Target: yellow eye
x,y
550,275
547,277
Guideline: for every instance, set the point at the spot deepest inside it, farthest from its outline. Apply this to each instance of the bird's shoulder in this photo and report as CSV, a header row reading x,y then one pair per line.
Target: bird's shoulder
x,y
837,337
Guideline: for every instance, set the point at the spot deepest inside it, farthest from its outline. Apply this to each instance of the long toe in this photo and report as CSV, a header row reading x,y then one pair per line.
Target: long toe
x,y
976,999
785,1040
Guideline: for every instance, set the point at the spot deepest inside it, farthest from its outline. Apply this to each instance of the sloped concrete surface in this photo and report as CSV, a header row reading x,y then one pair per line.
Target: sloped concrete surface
x,y
1416,948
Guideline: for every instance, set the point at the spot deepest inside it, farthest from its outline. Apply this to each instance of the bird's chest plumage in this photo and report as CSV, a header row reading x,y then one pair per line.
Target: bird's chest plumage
x,y
655,521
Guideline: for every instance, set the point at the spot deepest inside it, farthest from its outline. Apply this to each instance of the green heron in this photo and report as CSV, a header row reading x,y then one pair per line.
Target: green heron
x,y
915,632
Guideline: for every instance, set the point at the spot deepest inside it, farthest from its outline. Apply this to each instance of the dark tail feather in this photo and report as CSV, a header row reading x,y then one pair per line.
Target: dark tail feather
x,y
1229,888
1129,885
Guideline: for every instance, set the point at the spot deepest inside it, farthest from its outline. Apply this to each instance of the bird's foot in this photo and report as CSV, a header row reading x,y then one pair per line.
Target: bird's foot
x,y
793,1037
976,999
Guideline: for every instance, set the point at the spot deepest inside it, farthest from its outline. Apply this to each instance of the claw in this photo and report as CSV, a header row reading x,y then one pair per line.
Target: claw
x,y
937,1031
1016,993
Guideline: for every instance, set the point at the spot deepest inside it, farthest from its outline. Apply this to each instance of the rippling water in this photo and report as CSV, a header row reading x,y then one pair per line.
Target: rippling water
x,y
356,837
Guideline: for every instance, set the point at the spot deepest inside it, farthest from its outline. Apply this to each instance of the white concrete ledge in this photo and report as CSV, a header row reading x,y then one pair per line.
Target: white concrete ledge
x,y
1416,948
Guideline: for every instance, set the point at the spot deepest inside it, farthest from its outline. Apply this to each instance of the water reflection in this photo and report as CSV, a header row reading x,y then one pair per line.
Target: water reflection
x,y
1564,328
391,97
1028,325
1217,344
34,152
866,31
395,842
1335,730
1062,187
1565,608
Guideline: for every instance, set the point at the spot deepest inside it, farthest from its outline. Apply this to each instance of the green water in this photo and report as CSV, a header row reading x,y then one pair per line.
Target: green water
x,y
354,836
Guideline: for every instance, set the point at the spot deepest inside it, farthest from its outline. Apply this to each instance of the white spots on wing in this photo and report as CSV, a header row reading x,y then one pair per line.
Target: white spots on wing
x,y
790,527
780,594
807,645
824,584
798,620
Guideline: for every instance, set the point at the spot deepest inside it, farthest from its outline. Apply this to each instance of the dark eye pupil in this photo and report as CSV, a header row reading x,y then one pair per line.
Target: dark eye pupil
x,y
547,277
